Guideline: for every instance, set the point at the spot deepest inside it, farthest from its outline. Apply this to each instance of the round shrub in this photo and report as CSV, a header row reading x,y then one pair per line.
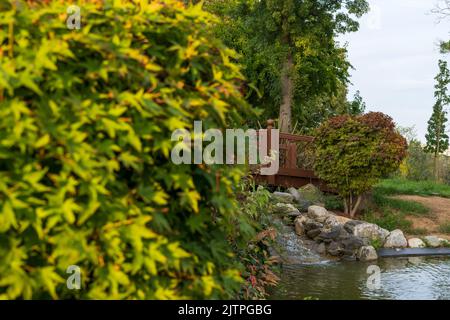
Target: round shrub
x,y
354,152
86,118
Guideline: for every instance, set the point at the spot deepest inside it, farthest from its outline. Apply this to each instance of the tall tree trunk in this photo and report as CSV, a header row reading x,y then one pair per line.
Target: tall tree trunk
x,y
356,207
435,169
438,148
287,94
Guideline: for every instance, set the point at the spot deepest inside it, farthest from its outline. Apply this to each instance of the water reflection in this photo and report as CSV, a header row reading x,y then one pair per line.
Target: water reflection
x,y
401,279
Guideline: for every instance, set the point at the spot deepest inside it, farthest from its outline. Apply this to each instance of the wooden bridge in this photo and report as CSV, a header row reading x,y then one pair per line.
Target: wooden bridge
x,y
296,162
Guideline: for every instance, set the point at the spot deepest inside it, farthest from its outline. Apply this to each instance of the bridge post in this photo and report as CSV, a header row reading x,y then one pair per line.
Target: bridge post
x,y
270,123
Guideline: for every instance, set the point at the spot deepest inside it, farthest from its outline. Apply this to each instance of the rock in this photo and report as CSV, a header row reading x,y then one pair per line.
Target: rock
x,y
319,214
416,243
335,249
370,231
302,219
283,197
344,235
303,205
296,194
311,193
311,225
331,221
299,227
321,248
353,243
367,253
313,233
433,241
342,220
286,209
349,226
332,234
396,239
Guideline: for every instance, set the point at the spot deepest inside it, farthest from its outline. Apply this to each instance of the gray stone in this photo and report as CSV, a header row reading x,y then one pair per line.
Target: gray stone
x,y
416,243
332,234
321,248
350,225
313,233
283,197
433,241
311,225
353,243
331,221
296,194
344,235
286,209
367,253
303,205
335,249
396,239
311,193
318,214
371,232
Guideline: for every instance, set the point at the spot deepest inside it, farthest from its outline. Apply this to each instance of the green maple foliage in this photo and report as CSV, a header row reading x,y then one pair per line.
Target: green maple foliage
x,y
86,179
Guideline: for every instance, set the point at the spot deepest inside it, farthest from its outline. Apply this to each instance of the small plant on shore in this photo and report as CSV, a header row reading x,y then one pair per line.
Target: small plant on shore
x,y
376,243
388,220
354,152
445,228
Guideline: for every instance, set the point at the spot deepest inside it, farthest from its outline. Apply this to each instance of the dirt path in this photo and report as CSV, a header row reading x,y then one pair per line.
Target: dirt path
x,y
440,214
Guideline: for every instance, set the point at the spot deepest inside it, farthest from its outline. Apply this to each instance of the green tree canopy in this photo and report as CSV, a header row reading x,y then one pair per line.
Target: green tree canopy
x,y
290,53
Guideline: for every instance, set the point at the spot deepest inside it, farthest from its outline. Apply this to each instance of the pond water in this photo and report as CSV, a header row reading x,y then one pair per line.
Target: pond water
x,y
306,275
400,279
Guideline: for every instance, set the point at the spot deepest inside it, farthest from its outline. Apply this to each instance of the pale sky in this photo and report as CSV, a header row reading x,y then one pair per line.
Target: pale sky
x,y
395,55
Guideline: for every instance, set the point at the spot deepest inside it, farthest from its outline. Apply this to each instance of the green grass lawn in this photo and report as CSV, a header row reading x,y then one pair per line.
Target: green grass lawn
x,y
421,188
392,213
445,228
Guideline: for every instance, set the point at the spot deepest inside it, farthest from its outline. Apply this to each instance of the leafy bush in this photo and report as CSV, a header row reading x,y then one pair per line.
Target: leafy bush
x,y
85,176
259,273
353,152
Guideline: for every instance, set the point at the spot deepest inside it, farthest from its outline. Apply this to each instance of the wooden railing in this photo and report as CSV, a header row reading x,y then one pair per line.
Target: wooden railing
x,y
296,162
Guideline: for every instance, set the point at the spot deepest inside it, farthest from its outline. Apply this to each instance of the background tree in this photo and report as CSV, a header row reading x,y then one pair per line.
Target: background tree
x,y
289,53
437,139
356,106
354,152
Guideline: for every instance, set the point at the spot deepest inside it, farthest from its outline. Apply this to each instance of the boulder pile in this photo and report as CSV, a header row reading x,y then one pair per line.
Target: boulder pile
x,y
339,236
